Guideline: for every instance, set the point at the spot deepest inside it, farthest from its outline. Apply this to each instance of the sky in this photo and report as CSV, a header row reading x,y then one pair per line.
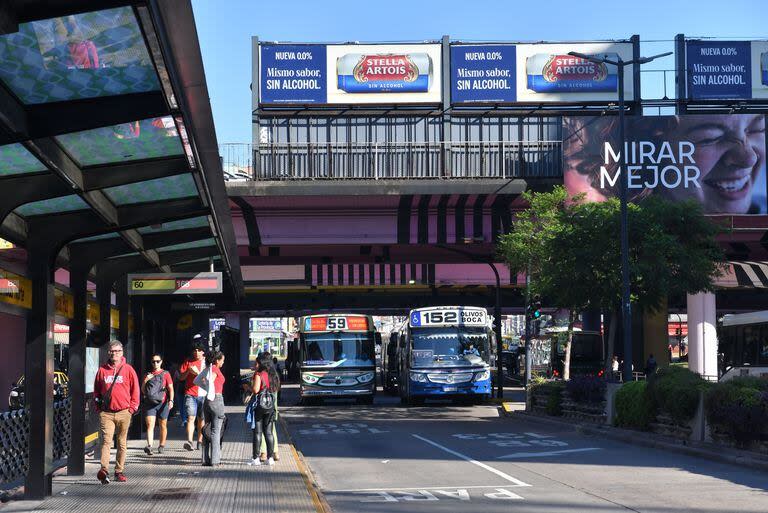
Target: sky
x,y
225,28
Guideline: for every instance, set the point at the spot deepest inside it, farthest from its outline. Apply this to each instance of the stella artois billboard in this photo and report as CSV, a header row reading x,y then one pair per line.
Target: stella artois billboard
x,y
350,74
717,160
537,73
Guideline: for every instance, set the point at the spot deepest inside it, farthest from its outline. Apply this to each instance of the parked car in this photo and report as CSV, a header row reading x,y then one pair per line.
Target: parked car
x,y
60,390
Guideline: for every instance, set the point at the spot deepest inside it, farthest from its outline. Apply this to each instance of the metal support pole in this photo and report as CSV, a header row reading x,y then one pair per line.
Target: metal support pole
x,y
626,307
38,376
528,355
78,281
497,330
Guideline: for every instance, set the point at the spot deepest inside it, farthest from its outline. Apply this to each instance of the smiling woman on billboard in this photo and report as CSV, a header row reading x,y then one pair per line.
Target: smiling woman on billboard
x,y
717,160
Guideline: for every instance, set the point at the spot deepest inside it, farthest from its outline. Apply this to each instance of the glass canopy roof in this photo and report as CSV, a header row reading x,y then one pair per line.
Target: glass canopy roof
x,y
51,206
137,140
171,187
182,224
189,245
88,55
15,159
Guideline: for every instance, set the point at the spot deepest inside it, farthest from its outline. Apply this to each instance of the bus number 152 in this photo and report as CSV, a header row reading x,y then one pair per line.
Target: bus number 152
x,y
441,317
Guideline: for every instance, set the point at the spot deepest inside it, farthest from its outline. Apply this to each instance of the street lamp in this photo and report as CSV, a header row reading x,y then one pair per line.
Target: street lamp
x,y
626,308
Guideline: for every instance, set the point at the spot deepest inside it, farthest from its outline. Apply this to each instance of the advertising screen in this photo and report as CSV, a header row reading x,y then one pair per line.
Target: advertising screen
x,y
506,73
721,70
350,74
717,160
384,73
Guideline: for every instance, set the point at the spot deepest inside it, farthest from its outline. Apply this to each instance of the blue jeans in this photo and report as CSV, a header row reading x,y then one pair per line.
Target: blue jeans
x,y
214,417
193,405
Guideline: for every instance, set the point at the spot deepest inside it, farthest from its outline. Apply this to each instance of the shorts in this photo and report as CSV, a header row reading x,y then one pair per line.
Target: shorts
x,y
193,405
161,410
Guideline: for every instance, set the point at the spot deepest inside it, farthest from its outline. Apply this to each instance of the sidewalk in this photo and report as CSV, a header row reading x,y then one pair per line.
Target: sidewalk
x,y
176,482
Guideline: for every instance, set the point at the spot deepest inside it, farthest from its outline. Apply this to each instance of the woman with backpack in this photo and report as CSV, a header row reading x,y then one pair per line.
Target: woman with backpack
x,y
158,401
260,412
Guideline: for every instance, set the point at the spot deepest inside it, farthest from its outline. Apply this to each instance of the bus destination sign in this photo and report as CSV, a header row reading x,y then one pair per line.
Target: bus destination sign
x,y
175,283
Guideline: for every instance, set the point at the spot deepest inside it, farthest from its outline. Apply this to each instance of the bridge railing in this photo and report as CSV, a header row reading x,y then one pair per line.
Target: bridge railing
x,y
401,160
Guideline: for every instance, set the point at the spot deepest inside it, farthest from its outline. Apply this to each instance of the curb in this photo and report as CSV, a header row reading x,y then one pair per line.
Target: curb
x,y
720,454
318,499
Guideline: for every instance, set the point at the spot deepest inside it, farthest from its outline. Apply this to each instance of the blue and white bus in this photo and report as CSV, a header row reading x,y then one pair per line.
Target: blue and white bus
x,y
447,352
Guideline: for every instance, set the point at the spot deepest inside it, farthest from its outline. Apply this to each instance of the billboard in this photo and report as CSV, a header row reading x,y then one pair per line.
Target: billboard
x,y
723,70
538,73
715,159
350,74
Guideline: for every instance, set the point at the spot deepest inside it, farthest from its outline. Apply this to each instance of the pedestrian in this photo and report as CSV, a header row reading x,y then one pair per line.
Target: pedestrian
x,y
116,394
213,410
276,396
650,366
194,397
615,368
158,400
260,412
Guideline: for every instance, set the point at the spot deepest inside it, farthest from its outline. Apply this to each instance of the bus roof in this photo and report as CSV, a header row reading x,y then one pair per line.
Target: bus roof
x,y
745,318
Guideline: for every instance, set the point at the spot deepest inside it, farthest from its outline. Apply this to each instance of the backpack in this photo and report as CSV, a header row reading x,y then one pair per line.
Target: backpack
x,y
155,391
264,400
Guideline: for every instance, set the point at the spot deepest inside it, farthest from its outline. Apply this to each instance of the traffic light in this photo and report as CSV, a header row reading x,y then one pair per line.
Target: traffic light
x,y
534,308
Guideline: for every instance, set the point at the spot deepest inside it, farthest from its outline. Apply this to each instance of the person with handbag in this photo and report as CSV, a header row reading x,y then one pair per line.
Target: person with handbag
x,y
213,409
116,394
260,412
158,401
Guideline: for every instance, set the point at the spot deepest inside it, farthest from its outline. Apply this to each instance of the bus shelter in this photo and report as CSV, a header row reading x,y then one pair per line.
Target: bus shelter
x,y
108,165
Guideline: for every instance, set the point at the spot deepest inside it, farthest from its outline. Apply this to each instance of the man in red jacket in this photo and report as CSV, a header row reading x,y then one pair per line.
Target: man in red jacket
x,y
116,392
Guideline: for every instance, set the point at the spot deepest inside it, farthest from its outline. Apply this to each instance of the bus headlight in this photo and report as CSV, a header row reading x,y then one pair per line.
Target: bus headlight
x,y
365,378
483,375
309,378
419,377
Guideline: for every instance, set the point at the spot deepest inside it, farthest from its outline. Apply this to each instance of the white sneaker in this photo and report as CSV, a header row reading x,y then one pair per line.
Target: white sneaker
x,y
270,462
254,462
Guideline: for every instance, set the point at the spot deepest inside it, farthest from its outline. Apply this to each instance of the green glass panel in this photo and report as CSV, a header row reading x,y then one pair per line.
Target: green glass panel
x,y
189,245
15,159
104,236
181,224
137,140
79,56
52,206
171,187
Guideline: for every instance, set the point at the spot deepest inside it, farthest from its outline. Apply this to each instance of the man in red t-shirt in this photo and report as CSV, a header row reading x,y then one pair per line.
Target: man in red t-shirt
x,y
193,395
116,393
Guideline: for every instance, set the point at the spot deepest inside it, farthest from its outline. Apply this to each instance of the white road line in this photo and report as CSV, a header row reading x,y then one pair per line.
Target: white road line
x,y
474,462
473,487
543,454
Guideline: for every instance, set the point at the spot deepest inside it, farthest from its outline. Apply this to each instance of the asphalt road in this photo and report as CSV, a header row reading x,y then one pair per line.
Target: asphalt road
x,y
446,458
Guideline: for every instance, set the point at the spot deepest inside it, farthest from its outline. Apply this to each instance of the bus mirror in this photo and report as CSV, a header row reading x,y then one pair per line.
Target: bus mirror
x,y
377,338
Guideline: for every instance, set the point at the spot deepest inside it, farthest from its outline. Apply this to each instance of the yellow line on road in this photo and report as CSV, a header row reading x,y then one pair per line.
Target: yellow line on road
x,y
321,506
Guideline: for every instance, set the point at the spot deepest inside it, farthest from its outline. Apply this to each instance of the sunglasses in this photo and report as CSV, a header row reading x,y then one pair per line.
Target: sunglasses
x,y
116,351
157,361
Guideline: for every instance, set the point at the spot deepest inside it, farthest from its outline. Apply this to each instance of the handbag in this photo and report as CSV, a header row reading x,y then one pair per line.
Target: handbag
x,y
107,398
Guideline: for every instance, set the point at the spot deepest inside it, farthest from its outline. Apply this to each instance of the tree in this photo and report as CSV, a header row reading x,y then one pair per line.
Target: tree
x,y
574,253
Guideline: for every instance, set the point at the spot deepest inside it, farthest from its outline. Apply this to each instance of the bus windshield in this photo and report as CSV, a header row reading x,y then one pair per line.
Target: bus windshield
x,y
450,343
339,349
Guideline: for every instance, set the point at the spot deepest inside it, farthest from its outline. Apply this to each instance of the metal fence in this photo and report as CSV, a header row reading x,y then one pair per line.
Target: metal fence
x,y
412,160
14,440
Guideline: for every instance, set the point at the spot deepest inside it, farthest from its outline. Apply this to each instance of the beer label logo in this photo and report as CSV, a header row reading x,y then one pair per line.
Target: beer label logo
x,y
568,67
385,67
384,73
559,73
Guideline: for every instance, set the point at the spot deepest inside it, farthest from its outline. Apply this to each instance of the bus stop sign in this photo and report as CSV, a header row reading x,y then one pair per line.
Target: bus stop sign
x,y
174,283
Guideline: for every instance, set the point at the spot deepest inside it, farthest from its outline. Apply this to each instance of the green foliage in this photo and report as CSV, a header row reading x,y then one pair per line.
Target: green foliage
x,y
634,407
553,391
675,392
739,408
573,250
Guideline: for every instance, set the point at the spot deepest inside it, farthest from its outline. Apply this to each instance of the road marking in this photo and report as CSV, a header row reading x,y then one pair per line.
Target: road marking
x,y
543,454
474,462
434,488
